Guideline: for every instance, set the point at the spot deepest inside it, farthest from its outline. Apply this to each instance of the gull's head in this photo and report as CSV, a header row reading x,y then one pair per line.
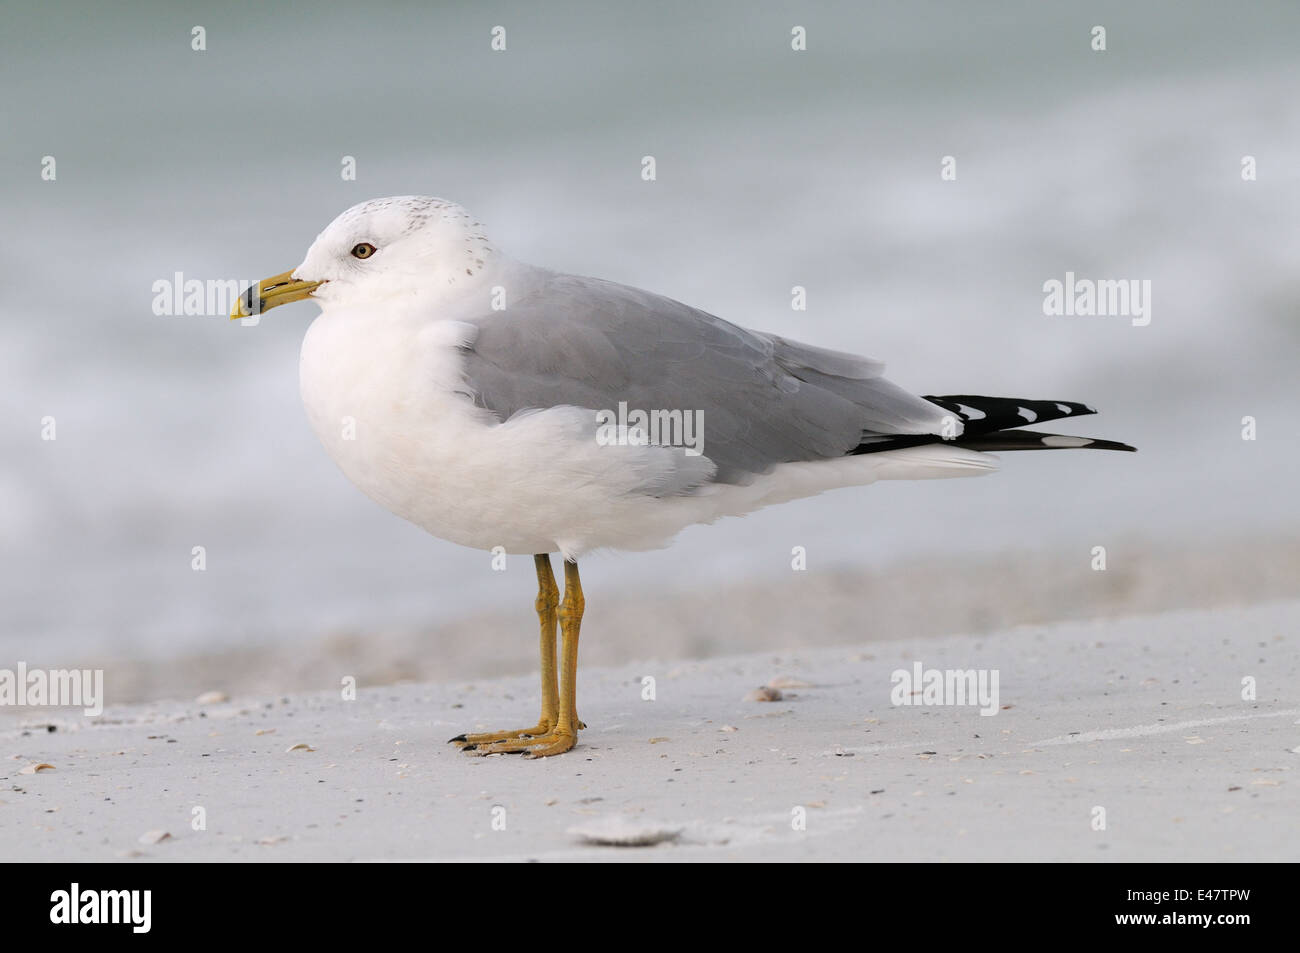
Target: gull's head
x,y
405,246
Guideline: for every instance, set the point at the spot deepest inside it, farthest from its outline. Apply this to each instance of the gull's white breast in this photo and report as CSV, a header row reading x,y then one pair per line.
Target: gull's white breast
x,y
381,396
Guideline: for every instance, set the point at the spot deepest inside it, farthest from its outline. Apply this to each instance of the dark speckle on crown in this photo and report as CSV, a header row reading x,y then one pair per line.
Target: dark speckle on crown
x,y
405,216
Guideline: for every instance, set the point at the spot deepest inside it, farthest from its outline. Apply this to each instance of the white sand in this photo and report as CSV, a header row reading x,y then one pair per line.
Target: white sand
x,y
1141,716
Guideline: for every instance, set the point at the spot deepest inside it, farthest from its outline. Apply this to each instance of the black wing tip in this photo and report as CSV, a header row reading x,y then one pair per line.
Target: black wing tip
x,y
998,441
1111,445
1009,408
995,423
1036,440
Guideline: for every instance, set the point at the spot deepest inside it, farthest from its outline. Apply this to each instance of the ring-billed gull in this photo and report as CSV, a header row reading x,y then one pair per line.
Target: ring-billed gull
x,y
497,404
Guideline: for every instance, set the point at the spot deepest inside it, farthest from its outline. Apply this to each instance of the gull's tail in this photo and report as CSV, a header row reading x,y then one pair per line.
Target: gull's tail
x,y
987,424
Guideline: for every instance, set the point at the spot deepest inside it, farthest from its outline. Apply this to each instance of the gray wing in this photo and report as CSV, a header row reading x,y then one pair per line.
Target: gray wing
x,y
765,400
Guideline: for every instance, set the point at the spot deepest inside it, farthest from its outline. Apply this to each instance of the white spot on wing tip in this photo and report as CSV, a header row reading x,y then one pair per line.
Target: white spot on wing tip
x,y
1028,414
970,413
1062,441
1065,408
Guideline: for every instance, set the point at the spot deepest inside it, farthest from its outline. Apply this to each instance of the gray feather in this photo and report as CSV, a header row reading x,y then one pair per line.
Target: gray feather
x,y
765,400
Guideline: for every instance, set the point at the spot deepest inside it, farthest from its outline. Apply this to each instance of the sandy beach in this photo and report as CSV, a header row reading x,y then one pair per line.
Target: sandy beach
x,y
1138,721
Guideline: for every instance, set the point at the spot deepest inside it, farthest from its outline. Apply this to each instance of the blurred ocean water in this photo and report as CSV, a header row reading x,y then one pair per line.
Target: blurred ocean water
x,y
774,169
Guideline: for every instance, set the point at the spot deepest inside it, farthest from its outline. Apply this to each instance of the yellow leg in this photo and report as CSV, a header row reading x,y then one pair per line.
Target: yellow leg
x,y
548,600
564,733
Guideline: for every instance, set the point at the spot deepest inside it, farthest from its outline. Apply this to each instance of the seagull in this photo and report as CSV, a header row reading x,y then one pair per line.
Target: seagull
x,y
511,408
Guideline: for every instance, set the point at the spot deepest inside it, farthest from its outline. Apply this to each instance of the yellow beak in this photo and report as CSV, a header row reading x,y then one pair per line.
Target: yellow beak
x,y
271,293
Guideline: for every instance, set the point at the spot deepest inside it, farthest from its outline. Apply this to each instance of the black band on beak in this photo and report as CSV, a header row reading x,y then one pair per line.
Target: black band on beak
x,y
250,301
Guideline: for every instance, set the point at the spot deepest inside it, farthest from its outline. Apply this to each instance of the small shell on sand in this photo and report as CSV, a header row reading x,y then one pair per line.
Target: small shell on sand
x,y
35,768
300,746
153,837
615,830
764,693
212,698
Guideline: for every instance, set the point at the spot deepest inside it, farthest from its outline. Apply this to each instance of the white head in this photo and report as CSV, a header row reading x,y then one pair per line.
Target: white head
x,y
407,245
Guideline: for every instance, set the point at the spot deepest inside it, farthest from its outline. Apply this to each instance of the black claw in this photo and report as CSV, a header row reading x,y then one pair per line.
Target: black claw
x,y
452,741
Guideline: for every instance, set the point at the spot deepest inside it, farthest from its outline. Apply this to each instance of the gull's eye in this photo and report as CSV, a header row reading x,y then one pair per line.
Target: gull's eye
x,y
363,250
